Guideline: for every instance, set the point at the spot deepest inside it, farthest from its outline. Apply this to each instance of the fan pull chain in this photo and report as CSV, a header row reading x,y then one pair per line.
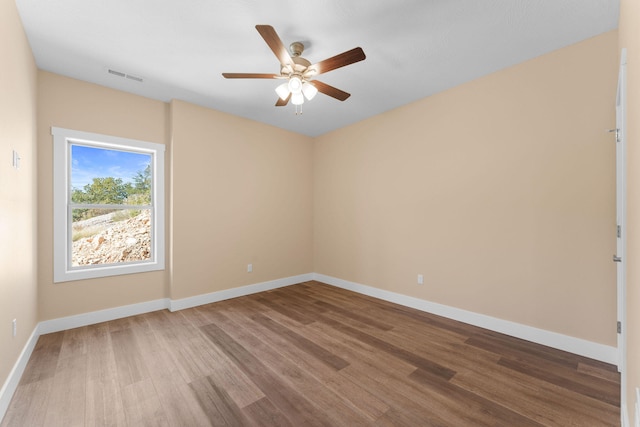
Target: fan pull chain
x,y
298,111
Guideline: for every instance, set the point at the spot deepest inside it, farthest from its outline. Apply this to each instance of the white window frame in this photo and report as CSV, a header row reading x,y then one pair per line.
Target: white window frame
x,y
62,207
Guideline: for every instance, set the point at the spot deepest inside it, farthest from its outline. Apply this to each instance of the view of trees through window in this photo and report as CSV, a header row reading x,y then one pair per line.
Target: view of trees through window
x,y
110,205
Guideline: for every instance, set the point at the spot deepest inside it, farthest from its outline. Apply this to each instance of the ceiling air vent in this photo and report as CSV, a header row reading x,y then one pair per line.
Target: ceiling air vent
x,y
136,78
126,76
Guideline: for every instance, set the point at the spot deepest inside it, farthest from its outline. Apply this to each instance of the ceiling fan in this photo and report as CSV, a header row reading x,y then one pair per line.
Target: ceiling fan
x,y
298,72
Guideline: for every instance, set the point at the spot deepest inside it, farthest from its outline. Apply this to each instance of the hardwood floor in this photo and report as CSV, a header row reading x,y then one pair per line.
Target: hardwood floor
x,y
308,354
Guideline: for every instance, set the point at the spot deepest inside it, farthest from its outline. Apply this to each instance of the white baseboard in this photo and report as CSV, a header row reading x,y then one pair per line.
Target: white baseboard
x,y
91,318
11,384
573,345
624,416
563,342
637,410
62,324
181,304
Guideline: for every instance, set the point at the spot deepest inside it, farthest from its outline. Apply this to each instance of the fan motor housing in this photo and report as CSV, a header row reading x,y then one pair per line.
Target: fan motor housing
x,y
298,60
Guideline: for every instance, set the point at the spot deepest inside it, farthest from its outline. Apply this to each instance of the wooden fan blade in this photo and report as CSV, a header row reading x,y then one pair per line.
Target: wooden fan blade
x,y
281,103
249,76
345,58
273,41
330,90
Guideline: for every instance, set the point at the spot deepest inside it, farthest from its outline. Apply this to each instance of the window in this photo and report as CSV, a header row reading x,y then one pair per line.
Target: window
x,y
108,208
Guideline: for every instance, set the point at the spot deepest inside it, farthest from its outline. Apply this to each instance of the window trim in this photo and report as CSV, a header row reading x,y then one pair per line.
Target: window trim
x,y
62,270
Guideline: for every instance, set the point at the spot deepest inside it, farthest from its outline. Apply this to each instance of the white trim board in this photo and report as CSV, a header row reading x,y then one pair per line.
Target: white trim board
x,y
636,415
11,384
573,345
62,324
91,318
181,304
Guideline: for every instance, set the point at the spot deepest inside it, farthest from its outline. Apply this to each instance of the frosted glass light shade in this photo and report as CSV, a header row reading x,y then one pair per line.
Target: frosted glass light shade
x,y
295,84
283,91
297,98
309,90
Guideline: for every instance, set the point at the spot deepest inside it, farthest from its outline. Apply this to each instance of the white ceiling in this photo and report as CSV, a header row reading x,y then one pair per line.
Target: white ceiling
x,y
414,48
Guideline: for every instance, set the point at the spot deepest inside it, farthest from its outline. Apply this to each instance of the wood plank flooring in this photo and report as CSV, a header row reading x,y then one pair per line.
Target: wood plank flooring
x,y
308,354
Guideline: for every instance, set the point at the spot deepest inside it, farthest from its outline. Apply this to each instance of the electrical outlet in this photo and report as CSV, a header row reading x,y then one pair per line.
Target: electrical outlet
x,y
420,279
14,325
249,268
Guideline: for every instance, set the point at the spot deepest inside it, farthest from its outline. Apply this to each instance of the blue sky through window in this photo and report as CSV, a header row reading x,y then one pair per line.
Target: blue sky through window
x,y
93,162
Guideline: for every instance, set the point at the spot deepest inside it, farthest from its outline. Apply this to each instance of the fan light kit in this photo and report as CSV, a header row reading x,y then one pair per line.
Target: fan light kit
x,y
299,72
296,89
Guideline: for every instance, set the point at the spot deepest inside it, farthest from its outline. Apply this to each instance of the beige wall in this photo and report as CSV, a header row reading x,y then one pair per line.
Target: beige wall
x,y
18,203
69,103
238,192
241,194
630,38
500,191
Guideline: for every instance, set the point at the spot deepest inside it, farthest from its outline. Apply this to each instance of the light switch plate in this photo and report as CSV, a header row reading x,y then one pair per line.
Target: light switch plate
x,y
15,160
